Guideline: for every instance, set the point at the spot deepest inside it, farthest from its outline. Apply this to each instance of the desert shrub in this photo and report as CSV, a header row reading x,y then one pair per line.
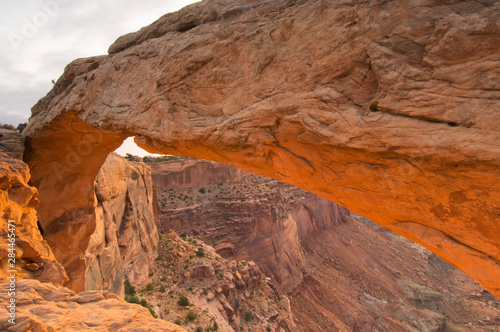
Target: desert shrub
x,y
132,299
190,316
200,253
7,126
162,289
149,287
249,316
129,289
183,301
202,190
21,126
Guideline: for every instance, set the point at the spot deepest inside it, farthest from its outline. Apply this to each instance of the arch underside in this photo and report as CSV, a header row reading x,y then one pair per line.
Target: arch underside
x,y
394,116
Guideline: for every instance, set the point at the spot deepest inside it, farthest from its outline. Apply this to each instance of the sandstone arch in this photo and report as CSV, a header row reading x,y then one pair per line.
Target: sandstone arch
x,y
390,108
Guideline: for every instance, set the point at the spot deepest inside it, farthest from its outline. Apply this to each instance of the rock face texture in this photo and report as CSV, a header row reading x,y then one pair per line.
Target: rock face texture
x,y
45,307
125,241
33,258
11,143
189,172
389,108
340,272
247,217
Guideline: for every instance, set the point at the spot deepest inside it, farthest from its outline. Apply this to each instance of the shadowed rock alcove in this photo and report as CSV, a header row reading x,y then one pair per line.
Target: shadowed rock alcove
x,y
387,108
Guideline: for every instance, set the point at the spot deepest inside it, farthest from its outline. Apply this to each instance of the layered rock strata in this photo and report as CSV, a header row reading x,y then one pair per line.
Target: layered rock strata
x,y
245,217
388,108
341,272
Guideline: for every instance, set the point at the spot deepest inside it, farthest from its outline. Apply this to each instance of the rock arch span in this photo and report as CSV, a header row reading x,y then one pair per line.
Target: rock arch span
x,y
390,108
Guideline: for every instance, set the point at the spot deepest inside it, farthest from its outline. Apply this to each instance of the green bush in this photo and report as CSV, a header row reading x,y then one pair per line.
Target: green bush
x,y
132,299
190,316
149,287
162,289
200,253
129,289
183,301
7,126
249,316
21,126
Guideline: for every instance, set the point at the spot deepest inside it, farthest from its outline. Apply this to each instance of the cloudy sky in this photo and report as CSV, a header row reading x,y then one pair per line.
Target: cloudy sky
x,y
38,38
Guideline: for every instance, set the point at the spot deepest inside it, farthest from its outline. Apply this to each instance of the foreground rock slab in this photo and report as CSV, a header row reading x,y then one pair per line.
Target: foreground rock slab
x,y
44,307
390,109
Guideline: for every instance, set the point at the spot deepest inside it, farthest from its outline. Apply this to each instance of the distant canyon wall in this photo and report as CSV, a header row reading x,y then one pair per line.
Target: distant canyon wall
x,y
244,216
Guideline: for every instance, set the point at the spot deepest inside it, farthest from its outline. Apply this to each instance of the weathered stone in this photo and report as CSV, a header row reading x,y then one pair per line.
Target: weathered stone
x,y
124,242
387,108
18,223
58,309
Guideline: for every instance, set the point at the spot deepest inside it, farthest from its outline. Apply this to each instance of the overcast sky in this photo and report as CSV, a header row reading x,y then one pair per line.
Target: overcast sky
x,y
38,38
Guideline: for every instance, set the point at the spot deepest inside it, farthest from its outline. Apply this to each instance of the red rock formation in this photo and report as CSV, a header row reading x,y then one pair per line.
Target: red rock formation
x,y
20,236
40,305
388,108
186,173
124,242
217,289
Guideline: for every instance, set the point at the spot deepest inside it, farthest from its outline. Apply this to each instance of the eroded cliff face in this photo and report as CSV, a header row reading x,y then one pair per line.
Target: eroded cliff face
x,y
125,241
340,271
185,173
245,217
388,108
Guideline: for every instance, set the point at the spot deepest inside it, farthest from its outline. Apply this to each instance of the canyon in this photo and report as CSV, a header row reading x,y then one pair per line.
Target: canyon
x,y
340,271
389,108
